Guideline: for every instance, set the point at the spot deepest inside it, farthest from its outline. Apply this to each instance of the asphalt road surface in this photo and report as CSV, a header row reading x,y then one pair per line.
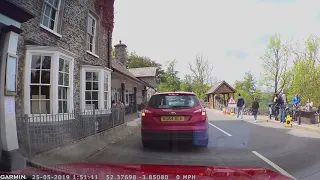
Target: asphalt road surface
x,y
293,152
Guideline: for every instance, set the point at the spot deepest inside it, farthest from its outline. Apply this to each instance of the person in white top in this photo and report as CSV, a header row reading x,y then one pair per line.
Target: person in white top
x,y
309,105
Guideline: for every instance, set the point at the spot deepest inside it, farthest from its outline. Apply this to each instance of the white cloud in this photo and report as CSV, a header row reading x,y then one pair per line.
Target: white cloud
x,y
166,30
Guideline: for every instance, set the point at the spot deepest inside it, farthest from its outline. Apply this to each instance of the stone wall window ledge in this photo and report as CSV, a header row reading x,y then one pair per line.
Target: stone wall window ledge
x,y
91,53
51,31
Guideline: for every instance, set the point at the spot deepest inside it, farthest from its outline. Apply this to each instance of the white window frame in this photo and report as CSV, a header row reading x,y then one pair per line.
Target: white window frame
x,y
56,20
101,70
106,81
93,51
56,53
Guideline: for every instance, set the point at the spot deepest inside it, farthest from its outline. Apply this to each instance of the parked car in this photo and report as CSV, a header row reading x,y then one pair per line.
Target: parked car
x,y
174,116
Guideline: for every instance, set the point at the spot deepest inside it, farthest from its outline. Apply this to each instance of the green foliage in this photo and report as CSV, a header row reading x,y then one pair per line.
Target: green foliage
x,y
136,61
306,80
171,81
275,61
186,84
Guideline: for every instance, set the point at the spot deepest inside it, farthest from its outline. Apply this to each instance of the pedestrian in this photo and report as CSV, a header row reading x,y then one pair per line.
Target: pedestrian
x,y
270,111
309,105
276,106
255,108
283,106
296,106
240,105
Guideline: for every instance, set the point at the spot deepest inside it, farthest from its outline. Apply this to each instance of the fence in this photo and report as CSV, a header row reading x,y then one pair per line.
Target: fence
x,y
40,133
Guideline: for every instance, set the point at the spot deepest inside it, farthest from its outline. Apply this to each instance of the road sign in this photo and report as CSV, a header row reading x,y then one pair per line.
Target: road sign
x,y
288,121
232,101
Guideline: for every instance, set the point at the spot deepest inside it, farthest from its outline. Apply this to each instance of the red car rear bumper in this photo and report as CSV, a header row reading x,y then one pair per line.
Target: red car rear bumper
x,y
148,135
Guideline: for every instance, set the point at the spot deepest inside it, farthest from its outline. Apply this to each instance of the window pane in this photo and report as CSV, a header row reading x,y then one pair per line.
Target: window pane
x,y
62,93
35,62
96,104
65,106
45,21
88,102
105,96
89,76
53,14
56,3
66,66
66,79
50,1
34,108
45,77
35,76
45,106
88,85
34,92
60,81
47,9
46,62
95,76
88,95
60,89
94,95
106,104
89,25
95,86
61,64
60,106
90,47
45,92
51,24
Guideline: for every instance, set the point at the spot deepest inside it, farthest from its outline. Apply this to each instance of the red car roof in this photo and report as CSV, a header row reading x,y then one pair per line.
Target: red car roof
x,y
180,92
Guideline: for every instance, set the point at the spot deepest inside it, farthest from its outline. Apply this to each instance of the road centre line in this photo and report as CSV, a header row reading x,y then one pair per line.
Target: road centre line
x,y
220,129
273,164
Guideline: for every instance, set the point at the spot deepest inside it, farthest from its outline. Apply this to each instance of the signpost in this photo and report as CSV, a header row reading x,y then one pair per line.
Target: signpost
x,y
232,105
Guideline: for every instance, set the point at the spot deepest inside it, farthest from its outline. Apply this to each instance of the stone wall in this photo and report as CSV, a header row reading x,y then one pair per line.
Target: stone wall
x,y
73,31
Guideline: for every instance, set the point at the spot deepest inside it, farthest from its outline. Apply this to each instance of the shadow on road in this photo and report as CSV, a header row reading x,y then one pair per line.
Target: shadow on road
x,y
167,146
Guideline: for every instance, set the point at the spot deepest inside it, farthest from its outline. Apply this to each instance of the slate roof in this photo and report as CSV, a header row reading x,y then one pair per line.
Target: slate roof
x,y
216,86
144,71
116,66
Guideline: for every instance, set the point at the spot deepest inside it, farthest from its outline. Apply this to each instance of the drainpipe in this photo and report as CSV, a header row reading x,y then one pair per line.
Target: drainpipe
x,y
108,49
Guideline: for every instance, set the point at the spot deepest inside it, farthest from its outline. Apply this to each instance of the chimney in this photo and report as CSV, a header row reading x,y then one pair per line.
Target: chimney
x,y
121,53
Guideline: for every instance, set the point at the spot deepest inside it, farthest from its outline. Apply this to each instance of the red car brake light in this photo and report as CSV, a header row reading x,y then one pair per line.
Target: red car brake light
x,y
203,111
145,112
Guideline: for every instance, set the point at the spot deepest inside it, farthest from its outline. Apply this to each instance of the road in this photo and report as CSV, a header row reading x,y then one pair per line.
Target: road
x,y
293,152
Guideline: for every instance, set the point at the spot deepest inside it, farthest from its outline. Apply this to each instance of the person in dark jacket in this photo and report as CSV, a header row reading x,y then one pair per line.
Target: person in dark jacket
x,y
240,105
255,108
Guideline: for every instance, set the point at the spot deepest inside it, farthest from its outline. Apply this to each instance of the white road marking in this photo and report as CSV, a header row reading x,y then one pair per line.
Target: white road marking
x,y
220,129
273,164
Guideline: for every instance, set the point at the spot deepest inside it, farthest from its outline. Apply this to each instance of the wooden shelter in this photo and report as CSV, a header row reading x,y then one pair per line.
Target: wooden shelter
x,y
221,88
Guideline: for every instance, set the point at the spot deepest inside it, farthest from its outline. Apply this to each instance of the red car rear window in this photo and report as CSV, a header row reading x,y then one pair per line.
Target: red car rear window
x,y
173,101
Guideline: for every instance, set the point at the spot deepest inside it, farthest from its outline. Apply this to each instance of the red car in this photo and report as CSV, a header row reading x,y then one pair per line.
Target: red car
x,y
174,116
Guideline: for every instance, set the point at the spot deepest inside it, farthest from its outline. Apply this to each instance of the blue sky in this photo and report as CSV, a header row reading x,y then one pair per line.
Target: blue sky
x,y
232,34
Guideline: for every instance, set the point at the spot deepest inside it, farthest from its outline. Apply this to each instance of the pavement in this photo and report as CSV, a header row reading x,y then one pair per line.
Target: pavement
x,y
291,151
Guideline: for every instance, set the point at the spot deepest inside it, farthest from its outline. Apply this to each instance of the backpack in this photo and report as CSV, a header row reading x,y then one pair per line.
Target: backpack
x,y
280,101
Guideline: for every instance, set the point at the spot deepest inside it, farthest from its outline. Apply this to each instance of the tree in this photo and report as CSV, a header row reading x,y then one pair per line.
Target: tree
x,y
136,61
313,44
275,62
186,84
202,75
247,88
171,80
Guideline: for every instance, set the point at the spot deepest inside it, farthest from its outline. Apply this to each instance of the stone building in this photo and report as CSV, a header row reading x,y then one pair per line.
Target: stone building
x,y
149,75
64,56
126,87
